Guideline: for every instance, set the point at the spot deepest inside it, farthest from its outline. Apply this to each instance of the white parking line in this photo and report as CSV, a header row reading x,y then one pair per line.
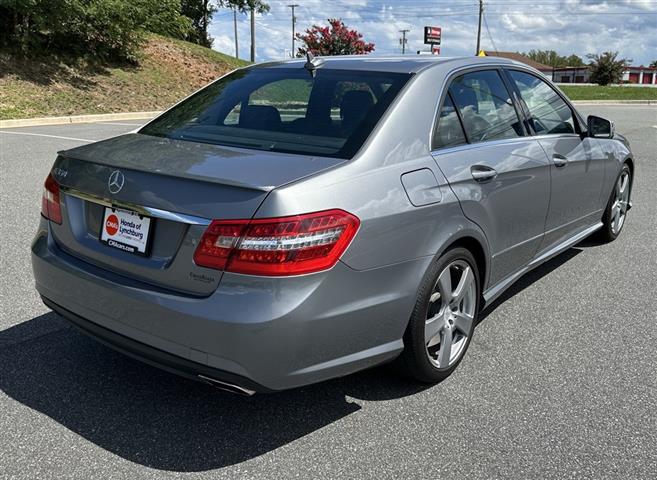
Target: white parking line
x,y
116,123
50,136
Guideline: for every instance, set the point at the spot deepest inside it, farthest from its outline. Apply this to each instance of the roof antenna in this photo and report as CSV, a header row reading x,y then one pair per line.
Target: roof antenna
x,y
312,63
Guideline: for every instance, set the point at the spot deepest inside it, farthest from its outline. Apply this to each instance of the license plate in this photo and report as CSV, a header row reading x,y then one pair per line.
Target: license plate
x,y
125,230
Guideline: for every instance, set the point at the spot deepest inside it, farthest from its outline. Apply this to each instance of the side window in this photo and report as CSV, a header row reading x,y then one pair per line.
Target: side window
x,y
549,113
485,106
448,131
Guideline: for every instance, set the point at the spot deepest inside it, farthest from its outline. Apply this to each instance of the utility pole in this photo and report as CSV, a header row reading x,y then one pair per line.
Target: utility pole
x,y
481,14
403,40
253,46
294,21
237,48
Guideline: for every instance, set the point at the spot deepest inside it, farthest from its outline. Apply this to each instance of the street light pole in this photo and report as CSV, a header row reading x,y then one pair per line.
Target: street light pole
x,y
253,46
294,21
481,14
237,48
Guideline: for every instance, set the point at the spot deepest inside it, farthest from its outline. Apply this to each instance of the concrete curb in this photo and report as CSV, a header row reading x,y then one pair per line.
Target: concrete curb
x,y
104,117
614,102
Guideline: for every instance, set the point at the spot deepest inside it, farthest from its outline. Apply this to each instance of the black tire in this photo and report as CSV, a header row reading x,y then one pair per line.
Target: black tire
x,y
415,359
607,233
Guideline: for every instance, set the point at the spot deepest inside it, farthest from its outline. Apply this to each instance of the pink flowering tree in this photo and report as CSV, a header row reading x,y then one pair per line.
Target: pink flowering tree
x,y
336,39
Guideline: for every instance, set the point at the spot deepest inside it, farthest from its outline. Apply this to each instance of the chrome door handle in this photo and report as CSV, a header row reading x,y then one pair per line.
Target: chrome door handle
x,y
482,173
559,160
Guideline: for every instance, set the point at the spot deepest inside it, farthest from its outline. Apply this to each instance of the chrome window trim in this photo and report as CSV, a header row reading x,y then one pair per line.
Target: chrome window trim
x,y
144,210
444,88
485,143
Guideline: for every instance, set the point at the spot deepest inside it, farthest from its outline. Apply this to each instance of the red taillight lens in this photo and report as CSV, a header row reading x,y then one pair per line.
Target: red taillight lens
x,y
50,207
277,246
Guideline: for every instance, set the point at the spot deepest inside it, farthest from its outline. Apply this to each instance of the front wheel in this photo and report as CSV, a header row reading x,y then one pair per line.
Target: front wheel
x,y
444,317
617,206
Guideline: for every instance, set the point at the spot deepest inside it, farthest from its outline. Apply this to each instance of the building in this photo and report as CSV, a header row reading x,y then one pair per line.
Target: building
x,y
571,74
642,75
637,75
519,57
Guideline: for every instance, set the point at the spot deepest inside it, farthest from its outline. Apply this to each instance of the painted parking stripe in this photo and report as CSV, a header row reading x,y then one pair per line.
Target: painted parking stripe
x,y
49,136
117,123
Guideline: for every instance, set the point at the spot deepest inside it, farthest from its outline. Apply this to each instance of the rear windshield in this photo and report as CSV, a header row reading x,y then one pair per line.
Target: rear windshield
x,y
284,110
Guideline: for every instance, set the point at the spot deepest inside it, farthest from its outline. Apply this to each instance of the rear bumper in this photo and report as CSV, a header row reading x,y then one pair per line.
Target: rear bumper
x,y
155,357
260,333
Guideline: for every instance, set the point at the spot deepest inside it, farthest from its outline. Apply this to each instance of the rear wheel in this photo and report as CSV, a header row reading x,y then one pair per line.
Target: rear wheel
x,y
619,202
444,317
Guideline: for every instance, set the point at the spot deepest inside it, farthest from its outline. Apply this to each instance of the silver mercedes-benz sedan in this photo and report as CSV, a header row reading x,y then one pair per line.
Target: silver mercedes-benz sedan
x,y
298,221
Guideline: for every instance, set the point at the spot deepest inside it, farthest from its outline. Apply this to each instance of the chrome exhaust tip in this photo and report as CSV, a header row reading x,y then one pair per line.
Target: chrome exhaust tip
x,y
226,387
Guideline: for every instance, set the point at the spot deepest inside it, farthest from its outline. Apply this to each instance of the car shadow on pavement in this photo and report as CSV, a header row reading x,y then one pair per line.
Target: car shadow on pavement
x,y
163,421
158,419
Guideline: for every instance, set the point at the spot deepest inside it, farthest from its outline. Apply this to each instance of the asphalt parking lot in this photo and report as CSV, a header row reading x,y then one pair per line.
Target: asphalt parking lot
x,y
559,382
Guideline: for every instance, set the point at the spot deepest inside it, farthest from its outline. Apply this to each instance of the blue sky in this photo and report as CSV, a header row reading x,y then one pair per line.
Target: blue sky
x,y
567,26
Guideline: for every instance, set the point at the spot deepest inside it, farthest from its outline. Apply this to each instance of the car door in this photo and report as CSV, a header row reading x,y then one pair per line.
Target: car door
x,y
499,173
577,166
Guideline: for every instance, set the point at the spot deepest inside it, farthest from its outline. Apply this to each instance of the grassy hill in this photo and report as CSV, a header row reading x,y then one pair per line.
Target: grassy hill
x,y
167,71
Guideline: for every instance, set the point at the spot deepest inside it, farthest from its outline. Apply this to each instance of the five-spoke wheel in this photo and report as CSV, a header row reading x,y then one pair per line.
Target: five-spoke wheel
x,y
615,214
444,317
450,314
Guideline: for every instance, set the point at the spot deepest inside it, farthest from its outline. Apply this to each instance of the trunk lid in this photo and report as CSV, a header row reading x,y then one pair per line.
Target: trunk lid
x,y
180,186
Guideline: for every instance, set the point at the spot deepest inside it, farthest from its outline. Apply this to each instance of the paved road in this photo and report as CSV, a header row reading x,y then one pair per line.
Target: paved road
x,y
560,380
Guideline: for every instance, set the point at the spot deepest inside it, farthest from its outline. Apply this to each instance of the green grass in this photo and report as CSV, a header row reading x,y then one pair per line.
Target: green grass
x,y
581,92
167,71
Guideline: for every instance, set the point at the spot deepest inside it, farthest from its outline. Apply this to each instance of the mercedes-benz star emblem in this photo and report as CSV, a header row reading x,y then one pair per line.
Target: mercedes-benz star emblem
x,y
115,181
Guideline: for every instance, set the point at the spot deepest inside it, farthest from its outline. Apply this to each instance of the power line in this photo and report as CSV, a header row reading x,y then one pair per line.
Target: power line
x,y
489,34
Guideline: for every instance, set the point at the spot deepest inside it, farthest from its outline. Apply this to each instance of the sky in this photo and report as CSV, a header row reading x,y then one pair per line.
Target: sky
x,y
567,26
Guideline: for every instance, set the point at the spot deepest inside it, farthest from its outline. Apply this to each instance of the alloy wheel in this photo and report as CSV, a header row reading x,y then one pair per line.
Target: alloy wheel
x,y
450,315
621,202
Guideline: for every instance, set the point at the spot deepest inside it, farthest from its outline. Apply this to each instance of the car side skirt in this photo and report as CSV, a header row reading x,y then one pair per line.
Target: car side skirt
x,y
496,290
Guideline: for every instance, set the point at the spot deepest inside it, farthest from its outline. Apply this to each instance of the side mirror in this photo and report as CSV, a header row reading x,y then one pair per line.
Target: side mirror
x,y
599,127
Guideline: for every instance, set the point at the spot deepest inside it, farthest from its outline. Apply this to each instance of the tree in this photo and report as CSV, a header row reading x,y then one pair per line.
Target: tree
x,y
336,39
553,59
653,64
607,68
100,28
201,12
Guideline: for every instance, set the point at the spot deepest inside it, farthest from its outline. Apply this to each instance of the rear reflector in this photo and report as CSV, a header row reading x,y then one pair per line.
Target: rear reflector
x,y
277,246
50,207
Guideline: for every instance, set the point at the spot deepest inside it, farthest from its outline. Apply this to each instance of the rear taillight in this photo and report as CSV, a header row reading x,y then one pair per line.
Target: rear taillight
x,y
277,246
50,207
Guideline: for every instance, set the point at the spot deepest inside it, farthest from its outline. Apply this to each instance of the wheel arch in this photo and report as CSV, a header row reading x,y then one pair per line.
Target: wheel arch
x,y
475,244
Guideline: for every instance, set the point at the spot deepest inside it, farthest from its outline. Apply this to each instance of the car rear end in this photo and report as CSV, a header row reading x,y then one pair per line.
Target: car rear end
x,y
152,241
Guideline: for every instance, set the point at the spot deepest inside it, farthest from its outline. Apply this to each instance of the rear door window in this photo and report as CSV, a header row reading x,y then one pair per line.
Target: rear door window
x,y
485,105
449,131
284,110
549,113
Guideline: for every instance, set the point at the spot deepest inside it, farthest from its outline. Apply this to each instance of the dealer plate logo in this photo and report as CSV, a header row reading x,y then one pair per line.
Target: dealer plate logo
x,y
115,181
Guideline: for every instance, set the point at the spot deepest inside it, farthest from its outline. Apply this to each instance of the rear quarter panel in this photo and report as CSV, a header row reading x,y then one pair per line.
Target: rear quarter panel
x,y
392,229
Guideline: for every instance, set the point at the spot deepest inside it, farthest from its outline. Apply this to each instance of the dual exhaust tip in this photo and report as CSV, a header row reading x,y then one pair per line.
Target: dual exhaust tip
x,y
227,387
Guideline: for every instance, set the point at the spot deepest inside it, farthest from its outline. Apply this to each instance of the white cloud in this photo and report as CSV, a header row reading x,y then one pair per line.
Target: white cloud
x,y
569,26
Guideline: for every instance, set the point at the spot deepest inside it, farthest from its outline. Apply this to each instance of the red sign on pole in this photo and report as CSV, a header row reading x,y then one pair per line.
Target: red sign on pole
x,y
432,35
435,50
